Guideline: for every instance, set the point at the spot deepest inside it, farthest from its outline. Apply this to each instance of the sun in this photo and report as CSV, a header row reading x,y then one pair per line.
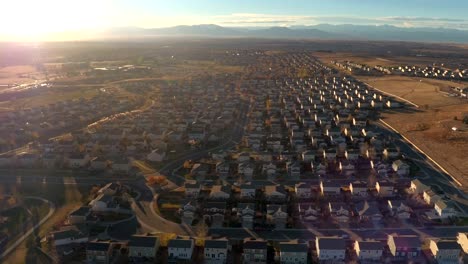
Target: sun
x,y
30,19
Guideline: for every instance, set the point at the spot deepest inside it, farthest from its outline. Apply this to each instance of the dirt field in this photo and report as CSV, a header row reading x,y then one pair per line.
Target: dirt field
x,y
431,131
422,92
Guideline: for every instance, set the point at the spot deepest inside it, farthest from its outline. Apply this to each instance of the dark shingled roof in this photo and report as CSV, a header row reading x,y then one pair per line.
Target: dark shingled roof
x,y
370,245
98,246
407,241
180,243
293,247
82,211
448,245
216,243
142,241
254,244
331,243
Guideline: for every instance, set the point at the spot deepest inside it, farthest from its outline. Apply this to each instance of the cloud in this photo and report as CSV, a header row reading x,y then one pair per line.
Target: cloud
x,y
252,19
439,19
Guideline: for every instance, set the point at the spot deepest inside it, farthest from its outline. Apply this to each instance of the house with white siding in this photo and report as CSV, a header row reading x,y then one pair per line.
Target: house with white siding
x,y
143,247
255,251
369,250
303,190
445,251
293,253
404,247
180,249
330,248
216,251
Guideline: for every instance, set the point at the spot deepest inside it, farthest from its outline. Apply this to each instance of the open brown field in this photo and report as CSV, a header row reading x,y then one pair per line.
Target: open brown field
x,y
431,130
423,92
49,97
386,59
19,74
326,57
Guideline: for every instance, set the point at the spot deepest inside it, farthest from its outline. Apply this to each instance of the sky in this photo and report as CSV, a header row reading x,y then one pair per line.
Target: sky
x,y
36,19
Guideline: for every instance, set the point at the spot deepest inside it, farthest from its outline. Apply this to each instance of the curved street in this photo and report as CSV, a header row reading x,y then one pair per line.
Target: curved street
x,y
32,229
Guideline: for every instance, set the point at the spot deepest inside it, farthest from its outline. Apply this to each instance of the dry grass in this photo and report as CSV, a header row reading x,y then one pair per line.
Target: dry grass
x,y
19,74
191,68
50,96
419,91
371,60
447,147
326,57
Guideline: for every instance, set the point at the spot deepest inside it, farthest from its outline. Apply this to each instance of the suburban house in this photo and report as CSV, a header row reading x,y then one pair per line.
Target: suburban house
x,y
214,213
401,168
445,251
368,251
180,249
216,251
275,193
418,187
444,209
246,214
294,169
98,252
384,188
339,211
308,212
220,192
430,197
277,215
156,155
404,247
303,190
192,189
79,216
143,247
359,188
69,236
293,253
330,188
399,209
255,251
330,248
187,212
369,211
78,160
247,191
104,203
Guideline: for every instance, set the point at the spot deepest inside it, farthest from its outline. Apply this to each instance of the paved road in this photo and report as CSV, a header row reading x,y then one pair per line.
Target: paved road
x,y
30,231
306,234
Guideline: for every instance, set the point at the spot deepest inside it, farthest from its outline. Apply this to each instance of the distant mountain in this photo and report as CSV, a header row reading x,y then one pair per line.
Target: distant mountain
x,y
321,31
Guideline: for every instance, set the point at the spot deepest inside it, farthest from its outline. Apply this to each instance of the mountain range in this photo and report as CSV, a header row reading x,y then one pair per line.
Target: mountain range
x,y
321,31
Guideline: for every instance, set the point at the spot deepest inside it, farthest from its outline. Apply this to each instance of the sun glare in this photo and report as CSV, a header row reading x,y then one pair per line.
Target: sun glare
x,y
30,19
